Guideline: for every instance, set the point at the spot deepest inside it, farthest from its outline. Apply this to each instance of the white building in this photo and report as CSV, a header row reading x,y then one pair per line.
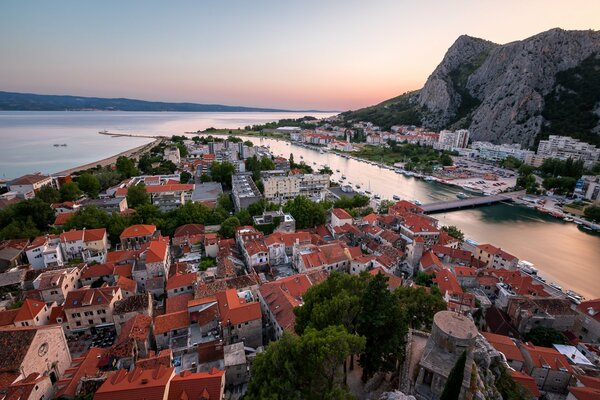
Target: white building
x,y
280,189
172,154
28,185
498,152
44,252
564,147
449,140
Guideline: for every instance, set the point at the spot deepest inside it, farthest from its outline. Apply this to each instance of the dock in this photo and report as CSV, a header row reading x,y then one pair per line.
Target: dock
x,y
469,202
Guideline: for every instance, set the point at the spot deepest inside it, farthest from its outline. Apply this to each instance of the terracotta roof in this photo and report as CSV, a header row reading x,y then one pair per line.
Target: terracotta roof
x,y
97,270
123,270
371,218
122,256
92,235
340,213
237,282
189,230
505,345
7,317
282,295
86,365
139,303
527,382
394,281
136,328
178,303
23,388
14,345
126,284
138,230
157,250
89,296
182,280
447,282
288,239
164,358
29,310
137,384
543,357
464,271
585,393
29,179
199,385
254,247
430,260
235,309
591,308
460,254
55,313
168,322
419,224
63,218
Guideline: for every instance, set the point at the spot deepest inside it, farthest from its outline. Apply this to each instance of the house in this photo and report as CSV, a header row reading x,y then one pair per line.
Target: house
x,y
128,307
134,341
91,307
527,313
32,313
29,185
528,383
33,387
340,217
587,326
87,365
109,205
237,370
331,256
362,263
587,388
44,252
495,257
415,225
240,316
188,234
549,368
128,286
466,276
278,299
97,272
53,285
430,263
134,236
199,385
152,269
12,253
152,384
506,346
27,350
88,245
172,331
281,245
181,283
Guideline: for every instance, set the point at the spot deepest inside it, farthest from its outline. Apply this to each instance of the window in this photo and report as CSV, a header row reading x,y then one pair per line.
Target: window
x,y
103,319
78,323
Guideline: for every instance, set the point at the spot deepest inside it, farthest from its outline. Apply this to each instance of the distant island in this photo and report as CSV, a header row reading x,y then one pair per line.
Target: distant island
x,y
10,101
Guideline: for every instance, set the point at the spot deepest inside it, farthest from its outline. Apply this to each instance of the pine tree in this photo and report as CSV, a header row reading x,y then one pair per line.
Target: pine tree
x,y
454,382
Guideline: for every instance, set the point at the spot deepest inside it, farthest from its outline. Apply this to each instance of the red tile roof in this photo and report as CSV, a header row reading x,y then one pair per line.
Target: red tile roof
x,y
29,310
168,322
63,218
254,247
189,230
585,393
90,296
545,356
505,345
157,250
340,213
527,382
123,270
137,384
371,218
394,281
590,308
200,385
464,271
126,284
97,270
179,302
235,309
138,230
282,295
86,365
447,282
7,317
429,260
182,280
288,239
459,254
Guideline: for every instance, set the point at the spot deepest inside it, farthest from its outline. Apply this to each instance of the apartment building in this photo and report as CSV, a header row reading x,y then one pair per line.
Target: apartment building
x,y
244,191
90,307
564,147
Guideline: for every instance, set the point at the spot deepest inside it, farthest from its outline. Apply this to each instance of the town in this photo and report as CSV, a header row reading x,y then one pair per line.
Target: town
x,y
193,270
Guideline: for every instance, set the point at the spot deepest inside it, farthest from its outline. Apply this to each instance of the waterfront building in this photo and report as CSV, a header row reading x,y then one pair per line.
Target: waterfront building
x,y
498,152
549,368
588,187
244,191
450,140
28,185
564,147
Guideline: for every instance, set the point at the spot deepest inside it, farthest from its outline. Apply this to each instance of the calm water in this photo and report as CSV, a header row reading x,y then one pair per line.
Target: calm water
x,y
27,137
560,251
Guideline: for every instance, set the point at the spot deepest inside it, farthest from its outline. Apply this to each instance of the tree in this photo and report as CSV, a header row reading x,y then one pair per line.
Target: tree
x,y
137,195
205,178
424,279
185,177
511,162
446,160
88,217
206,263
545,337
382,323
183,151
228,227
454,232
454,381
384,206
419,306
69,191
48,194
222,172
308,366
126,167
34,210
224,201
335,301
89,184
19,230
326,170
307,213
592,212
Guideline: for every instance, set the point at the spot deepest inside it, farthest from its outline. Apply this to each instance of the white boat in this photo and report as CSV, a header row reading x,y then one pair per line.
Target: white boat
x,y
417,202
556,286
462,195
567,219
343,176
429,178
575,295
540,278
396,197
527,267
574,300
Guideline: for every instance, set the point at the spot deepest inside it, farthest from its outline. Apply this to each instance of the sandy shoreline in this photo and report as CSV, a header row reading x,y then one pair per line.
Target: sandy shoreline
x,y
135,152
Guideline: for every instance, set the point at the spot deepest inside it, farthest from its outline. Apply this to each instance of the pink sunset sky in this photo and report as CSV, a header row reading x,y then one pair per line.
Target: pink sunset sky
x,y
329,55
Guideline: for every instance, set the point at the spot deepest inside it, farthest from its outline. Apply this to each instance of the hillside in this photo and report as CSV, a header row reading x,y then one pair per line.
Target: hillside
x,y
36,102
512,93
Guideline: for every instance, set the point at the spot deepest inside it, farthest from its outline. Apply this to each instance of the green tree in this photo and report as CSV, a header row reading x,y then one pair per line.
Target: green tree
x,y
244,216
382,323
137,195
384,206
69,191
183,151
222,172
205,178
228,227
419,306
126,167
48,194
306,212
424,279
185,177
224,201
34,210
511,162
454,232
19,230
308,366
206,263
89,184
545,337
446,160
454,381
335,301
592,212
326,170
88,217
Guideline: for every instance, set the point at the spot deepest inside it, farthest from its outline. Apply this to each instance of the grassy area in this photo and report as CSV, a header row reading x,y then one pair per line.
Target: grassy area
x,y
415,157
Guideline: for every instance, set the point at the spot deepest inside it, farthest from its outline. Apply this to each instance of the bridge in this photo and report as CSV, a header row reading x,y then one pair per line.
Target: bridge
x,y
471,202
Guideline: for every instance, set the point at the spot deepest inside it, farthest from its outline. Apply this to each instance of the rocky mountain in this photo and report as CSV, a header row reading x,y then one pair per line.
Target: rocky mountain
x,y
511,93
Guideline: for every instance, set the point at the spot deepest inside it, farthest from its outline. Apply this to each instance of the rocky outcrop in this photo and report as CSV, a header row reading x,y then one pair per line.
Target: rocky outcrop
x,y
508,83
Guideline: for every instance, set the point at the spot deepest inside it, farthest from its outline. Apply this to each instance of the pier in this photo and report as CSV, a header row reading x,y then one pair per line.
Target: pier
x,y
478,201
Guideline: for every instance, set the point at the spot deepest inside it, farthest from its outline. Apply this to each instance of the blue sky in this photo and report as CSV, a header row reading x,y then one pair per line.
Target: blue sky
x,y
293,54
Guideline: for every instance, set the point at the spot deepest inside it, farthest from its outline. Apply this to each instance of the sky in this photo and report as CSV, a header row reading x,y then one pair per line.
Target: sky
x,y
292,54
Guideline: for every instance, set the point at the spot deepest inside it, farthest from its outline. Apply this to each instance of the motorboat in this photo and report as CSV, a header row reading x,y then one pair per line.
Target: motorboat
x,y
556,286
462,195
377,197
417,202
568,219
396,197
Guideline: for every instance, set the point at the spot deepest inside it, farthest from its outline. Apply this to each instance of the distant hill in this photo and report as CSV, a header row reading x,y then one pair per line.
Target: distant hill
x,y
518,92
40,102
